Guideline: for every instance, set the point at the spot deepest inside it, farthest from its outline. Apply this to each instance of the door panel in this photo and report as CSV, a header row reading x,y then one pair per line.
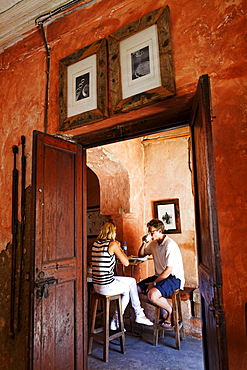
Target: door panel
x,y
210,281
59,202
58,298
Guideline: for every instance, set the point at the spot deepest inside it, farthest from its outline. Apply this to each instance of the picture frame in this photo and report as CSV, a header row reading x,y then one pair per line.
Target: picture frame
x,y
83,96
167,210
140,61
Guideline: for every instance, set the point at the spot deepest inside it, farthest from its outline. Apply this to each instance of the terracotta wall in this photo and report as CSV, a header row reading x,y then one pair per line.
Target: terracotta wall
x,y
129,221
207,37
167,176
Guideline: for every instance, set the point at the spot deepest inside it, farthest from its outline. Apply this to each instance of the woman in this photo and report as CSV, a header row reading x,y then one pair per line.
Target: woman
x,y
104,252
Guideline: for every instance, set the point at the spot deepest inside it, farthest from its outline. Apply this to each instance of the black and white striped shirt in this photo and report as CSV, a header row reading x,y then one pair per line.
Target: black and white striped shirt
x,y
102,263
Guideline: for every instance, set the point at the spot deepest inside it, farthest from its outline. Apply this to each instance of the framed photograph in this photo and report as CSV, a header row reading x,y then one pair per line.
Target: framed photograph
x,y
139,61
140,58
83,86
168,211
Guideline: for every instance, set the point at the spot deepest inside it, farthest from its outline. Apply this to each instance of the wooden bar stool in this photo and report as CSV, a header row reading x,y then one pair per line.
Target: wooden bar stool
x,y
177,318
103,333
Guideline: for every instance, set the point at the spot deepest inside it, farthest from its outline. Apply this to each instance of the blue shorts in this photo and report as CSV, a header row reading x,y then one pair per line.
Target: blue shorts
x,y
166,286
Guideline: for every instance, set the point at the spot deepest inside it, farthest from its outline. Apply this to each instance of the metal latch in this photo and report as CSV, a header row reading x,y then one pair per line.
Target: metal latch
x,y
42,286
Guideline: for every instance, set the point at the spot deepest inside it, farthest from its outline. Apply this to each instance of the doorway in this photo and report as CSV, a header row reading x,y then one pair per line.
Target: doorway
x,y
126,178
156,167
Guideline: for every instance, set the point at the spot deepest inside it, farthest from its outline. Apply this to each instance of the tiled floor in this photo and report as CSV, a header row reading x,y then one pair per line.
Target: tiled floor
x,y
141,354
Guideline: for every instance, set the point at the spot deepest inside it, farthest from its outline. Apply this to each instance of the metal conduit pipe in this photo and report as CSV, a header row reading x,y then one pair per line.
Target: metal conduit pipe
x,y
40,22
47,90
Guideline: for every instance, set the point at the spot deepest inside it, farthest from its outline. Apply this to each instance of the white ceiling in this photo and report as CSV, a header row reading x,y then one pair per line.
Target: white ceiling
x,y
18,17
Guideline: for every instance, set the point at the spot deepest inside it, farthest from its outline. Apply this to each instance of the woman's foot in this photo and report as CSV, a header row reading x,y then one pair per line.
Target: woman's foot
x,y
114,325
140,319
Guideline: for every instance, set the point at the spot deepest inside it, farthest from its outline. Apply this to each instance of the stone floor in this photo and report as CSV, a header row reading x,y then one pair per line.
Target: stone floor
x,y
141,354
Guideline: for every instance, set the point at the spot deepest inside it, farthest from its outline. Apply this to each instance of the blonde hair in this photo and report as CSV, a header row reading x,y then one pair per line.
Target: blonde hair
x,y
107,232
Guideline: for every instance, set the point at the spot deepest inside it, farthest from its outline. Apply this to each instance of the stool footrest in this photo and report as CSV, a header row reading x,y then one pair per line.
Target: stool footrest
x,y
98,330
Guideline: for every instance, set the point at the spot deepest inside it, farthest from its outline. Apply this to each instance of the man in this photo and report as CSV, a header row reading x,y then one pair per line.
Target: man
x,y
169,272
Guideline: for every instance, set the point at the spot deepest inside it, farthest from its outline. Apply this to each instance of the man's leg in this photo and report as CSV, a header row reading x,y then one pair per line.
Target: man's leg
x,y
155,296
142,285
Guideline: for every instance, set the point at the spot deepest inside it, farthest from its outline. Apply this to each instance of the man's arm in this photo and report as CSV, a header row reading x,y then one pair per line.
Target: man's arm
x,y
142,252
165,273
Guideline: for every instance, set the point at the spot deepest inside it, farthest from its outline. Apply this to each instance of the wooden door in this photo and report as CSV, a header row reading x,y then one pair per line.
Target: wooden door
x,y
58,289
210,280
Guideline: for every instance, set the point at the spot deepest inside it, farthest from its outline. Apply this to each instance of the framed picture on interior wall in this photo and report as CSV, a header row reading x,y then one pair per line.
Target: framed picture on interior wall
x,y
83,86
140,58
167,210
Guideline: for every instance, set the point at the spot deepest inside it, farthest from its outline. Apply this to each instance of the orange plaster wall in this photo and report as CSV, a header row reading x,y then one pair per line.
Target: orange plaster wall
x,y
207,37
130,153
167,176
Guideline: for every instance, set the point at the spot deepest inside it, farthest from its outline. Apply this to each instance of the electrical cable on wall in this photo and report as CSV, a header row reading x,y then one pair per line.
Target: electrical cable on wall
x,y
40,22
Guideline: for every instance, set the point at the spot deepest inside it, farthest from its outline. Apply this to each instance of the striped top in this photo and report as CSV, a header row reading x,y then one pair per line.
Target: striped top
x,y
102,263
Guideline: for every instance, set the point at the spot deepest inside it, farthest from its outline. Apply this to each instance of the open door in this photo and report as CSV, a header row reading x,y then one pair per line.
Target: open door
x,y
58,328
210,280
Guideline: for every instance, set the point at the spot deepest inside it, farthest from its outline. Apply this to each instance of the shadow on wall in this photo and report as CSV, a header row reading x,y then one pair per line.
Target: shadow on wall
x,y
15,344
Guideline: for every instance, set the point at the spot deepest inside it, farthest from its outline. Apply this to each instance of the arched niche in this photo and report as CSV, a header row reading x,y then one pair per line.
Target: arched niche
x,y
93,193
113,179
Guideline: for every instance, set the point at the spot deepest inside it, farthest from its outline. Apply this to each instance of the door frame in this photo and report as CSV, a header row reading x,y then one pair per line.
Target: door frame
x,y
178,113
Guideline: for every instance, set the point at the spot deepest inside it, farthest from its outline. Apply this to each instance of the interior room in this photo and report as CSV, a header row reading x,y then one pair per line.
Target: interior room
x,y
130,176
124,180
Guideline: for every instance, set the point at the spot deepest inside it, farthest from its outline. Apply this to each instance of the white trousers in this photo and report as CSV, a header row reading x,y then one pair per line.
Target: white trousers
x,y
126,286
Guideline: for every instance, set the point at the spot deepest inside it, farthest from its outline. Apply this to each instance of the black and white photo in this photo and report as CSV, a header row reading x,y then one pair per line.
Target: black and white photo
x,y
82,86
140,63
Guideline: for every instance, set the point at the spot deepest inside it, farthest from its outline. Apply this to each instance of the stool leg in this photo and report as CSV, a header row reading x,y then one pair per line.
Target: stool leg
x,y
156,327
121,324
106,328
94,305
180,317
162,333
175,319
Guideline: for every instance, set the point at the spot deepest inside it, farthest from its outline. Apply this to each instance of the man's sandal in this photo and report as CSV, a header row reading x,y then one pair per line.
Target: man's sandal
x,y
167,325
